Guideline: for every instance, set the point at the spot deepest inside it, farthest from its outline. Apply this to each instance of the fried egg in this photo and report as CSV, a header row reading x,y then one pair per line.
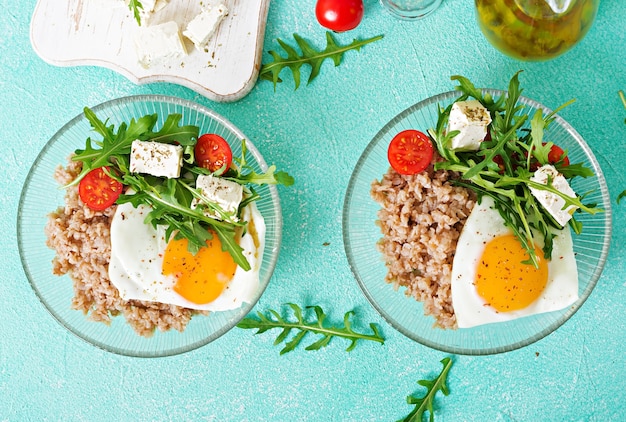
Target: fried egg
x,y
491,284
146,266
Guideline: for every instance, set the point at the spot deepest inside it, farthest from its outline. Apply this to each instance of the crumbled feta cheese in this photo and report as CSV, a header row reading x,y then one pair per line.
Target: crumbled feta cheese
x,y
471,118
159,44
155,158
225,193
551,201
203,26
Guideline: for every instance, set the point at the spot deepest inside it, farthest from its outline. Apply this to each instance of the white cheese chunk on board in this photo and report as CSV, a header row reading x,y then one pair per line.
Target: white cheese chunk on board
x,y
101,33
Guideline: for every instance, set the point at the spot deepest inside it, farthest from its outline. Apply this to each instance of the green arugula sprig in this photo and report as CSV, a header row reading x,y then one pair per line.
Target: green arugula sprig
x,y
518,148
135,6
303,327
309,56
171,200
114,148
426,402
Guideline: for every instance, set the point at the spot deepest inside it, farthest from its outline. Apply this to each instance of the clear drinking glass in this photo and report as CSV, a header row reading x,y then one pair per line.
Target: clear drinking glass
x,y
535,29
410,9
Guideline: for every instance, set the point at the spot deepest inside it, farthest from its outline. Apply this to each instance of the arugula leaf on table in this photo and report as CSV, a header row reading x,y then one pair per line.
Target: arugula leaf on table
x,y
303,327
309,56
134,6
518,148
426,402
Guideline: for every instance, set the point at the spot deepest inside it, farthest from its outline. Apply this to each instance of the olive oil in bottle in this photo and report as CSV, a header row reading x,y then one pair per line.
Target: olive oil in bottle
x,y
535,29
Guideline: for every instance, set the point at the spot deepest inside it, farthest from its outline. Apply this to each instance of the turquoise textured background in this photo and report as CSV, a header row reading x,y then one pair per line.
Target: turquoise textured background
x,y
317,134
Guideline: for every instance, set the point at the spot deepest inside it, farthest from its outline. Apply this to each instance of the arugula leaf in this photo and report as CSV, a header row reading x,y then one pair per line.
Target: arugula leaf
x,y
422,404
303,327
114,147
134,6
620,196
519,148
170,200
309,56
244,173
180,218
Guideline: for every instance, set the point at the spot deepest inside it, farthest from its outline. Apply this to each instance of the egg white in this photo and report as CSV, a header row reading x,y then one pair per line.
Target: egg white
x,y
137,251
483,225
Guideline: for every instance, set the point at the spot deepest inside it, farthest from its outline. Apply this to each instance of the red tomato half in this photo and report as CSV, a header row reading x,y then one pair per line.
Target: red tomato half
x,y
410,152
339,15
555,154
213,152
98,190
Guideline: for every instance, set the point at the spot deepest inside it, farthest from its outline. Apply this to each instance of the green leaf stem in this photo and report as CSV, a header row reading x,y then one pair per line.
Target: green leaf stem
x,y
309,55
301,327
426,403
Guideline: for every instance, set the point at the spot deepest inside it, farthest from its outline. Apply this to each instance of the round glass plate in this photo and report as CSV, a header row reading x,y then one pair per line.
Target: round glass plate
x,y
41,195
360,234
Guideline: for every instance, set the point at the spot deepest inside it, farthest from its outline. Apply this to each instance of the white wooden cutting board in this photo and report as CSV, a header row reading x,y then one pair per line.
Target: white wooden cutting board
x,y
101,32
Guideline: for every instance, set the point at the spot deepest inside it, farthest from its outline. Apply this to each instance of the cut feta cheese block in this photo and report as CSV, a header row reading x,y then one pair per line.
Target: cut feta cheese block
x,y
150,8
155,158
159,44
225,193
551,201
203,26
153,5
147,9
471,119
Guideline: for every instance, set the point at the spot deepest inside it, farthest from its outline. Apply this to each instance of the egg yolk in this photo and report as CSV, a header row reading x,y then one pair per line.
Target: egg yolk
x,y
202,277
503,281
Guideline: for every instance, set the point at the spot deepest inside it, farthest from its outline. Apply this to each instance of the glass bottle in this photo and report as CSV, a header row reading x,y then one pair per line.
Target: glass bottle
x,y
535,29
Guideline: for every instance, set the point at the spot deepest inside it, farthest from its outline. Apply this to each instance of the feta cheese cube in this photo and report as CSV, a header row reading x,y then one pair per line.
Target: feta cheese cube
x,y
471,118
551,201
153,5
203,26
147,6
155,158
225,193
159,44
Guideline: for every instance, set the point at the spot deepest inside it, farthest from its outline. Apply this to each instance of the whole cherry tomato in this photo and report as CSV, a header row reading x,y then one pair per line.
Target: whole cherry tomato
x,y
339,15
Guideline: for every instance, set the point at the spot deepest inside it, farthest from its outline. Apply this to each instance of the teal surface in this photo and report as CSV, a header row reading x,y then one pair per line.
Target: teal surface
x,y
317,134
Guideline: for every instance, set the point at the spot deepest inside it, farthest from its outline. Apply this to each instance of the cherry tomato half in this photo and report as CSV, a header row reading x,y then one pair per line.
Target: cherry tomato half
x,y
410,152
98,190
339,15
213,152
555,154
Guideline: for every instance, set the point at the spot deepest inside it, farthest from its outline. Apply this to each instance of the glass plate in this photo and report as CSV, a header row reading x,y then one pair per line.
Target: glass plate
x,y
405,314
41,195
